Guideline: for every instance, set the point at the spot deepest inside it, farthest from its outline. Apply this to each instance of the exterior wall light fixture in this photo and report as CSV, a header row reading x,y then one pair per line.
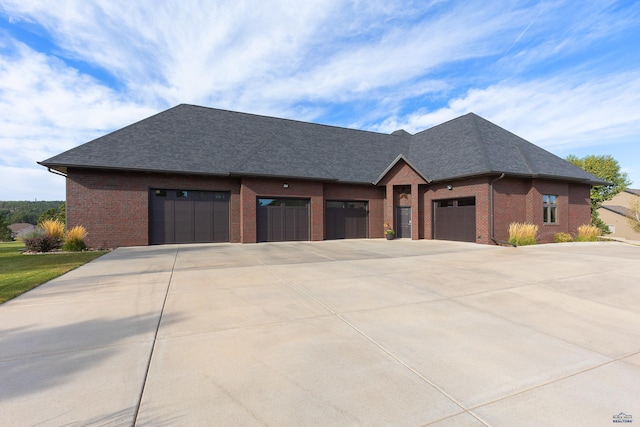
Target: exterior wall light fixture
x,y
285,185
449,187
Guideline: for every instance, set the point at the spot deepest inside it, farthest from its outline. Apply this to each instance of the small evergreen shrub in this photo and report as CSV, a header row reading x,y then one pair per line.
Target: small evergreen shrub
x,y
587,233
522,234
562,238
74,239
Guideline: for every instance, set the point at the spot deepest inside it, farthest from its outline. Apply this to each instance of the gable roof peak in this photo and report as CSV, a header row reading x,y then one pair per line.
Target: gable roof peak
x,y
400,132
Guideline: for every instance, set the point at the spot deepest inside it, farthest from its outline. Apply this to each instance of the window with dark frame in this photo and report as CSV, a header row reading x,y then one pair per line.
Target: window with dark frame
x,y
550,208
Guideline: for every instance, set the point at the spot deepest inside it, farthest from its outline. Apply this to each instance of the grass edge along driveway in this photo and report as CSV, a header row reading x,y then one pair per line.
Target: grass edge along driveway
x,y
20,273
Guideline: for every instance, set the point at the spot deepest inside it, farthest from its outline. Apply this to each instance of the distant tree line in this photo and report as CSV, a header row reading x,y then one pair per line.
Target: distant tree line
x,y
31,212
28,212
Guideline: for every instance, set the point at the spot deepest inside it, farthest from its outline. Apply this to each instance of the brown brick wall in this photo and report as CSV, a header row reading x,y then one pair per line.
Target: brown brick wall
x,y
477,187
114,206
521,200
510,204
579,206
402,185
535,214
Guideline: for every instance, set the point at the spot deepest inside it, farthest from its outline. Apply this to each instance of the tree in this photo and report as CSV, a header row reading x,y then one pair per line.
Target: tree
x,y
5,232
634,221
25,211
606,168
58,214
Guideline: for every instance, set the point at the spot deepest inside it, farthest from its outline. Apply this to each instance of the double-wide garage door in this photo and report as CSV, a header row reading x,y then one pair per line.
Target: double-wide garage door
x,y
455,219
183,216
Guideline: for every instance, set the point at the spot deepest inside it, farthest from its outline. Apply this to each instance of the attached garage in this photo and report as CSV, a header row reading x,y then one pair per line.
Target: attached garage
x,y
280,220
184,216
346,220
455,219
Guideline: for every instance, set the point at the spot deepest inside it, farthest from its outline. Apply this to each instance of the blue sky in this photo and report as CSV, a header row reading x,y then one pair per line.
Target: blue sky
x,y
564,75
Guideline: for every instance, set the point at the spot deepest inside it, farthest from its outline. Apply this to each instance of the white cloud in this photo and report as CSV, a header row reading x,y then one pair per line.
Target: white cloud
x,y
306,60
36,183
46,108
554,113
246,55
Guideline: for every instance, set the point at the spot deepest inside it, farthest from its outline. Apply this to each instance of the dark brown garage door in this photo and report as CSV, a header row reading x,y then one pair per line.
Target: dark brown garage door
x,y
280,220
183,216
455,219
346,220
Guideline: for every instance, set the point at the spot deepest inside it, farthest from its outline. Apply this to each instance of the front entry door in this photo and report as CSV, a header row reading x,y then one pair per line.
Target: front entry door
x,y
403,222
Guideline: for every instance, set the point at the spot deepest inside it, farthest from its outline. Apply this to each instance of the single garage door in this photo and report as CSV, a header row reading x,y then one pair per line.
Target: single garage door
x,y
280,220
346,220
455,219
184,216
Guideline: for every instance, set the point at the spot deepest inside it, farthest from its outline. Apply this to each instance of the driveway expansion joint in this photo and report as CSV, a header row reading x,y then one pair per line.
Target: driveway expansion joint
x,y
155,340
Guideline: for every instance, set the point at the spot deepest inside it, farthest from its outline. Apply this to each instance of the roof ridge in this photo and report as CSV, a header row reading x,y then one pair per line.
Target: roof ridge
x,y
480,138
289,120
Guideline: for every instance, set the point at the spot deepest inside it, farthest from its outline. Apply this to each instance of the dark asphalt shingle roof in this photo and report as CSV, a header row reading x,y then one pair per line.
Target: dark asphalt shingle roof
x,y
620,210
199,140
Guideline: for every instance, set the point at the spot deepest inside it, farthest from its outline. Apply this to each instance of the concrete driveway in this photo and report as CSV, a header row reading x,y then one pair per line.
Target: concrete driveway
x,y
366,332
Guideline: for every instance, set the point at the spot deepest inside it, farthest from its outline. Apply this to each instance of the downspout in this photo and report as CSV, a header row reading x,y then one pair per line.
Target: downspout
x,y
491,208
55,172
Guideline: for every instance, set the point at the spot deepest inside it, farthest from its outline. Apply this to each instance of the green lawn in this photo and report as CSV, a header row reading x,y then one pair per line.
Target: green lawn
x,y
20,273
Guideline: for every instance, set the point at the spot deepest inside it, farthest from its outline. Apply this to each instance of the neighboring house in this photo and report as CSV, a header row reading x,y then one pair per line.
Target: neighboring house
x,y
196,174
19,229
616,213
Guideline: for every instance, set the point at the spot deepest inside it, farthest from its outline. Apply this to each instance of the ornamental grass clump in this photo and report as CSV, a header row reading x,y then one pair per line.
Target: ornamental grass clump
x,y
74,239
53,228
562,238
47,237
522,234
588,233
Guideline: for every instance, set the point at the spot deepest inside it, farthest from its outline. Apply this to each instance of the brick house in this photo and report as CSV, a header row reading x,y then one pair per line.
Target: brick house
x,y
196,174
617,212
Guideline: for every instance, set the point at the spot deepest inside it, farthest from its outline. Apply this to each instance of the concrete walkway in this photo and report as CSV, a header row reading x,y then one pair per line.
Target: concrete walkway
x,y
366,332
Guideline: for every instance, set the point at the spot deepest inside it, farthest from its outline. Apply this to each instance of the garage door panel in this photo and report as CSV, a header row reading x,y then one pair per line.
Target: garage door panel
x,y
282,220
455,219
203,221
183,221
161,220
346,220
181,216
221,222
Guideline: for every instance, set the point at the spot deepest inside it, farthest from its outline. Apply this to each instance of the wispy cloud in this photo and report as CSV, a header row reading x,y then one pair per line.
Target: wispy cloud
x,y
561,74
553,113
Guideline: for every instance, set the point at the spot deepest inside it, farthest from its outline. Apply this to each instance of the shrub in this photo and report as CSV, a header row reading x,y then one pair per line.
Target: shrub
x,y
74,239
522,234
53,229
562,238
587,233
40,242
74,245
